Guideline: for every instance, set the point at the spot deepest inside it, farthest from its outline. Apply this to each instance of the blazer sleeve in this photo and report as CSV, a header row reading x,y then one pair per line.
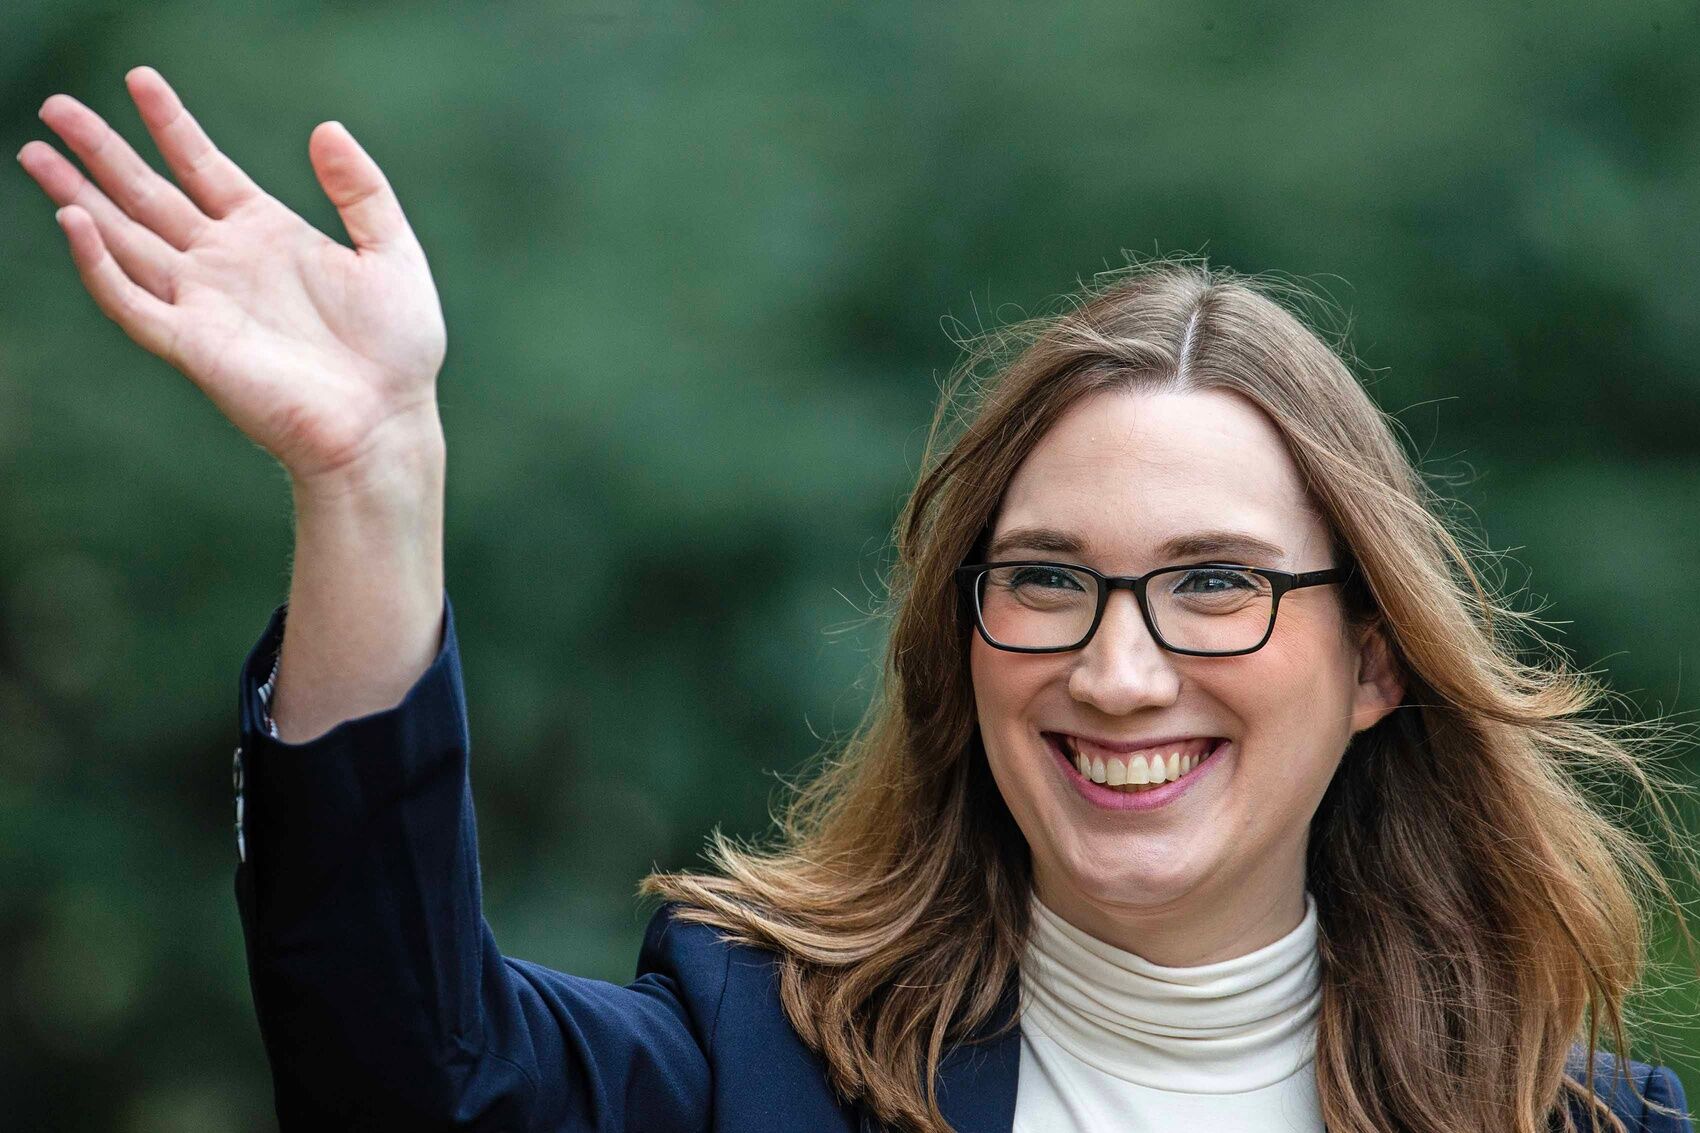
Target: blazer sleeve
x,y
383,1001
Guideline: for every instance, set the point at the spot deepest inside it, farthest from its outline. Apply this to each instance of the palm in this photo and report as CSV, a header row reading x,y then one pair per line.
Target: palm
x,y
312,349
300,340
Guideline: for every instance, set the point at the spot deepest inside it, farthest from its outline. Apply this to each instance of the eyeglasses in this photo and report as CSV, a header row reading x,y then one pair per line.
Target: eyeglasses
x,y
1201,610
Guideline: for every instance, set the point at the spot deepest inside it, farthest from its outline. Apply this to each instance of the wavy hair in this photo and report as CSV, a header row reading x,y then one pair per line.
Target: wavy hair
x,y
1480,910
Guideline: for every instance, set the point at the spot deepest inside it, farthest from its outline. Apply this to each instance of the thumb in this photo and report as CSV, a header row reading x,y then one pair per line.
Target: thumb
x,y
357,187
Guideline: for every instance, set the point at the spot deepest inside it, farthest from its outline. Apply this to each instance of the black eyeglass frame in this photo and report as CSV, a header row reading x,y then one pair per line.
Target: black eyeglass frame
x,y
1280,581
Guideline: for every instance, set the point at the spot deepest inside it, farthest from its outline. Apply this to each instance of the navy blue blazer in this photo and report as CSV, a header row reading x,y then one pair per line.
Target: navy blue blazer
x,y
384,1003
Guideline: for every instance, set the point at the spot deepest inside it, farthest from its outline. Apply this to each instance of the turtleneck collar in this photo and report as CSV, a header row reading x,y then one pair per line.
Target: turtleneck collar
x,y
1223,1028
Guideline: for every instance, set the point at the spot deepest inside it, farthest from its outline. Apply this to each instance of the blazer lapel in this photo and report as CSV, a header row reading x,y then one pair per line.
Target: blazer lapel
x,y
977,1080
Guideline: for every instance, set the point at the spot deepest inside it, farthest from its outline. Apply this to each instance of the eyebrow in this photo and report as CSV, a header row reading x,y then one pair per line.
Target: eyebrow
x,y
1197,544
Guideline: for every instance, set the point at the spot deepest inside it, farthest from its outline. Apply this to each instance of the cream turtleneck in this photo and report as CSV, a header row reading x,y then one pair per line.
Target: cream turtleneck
x,y
1111,1041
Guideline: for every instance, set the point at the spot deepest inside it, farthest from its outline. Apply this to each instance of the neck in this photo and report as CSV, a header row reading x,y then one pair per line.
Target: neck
x,y
1241,1025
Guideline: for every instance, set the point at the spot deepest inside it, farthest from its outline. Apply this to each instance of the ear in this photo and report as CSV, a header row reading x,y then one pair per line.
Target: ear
x,y
1381,680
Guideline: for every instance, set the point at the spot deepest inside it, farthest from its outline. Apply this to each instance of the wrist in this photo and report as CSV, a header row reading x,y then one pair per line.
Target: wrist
x,y
404,470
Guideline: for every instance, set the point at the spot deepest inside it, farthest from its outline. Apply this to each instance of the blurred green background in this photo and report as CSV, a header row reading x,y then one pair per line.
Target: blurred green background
x,y
700,267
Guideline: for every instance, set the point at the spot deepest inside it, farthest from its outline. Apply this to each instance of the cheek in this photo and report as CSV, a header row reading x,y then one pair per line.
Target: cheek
x,y
1307,654
1296,693
1007,689
1002,682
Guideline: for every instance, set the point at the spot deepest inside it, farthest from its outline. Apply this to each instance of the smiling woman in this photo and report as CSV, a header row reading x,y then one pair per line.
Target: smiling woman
x,y
1206,787
1369,850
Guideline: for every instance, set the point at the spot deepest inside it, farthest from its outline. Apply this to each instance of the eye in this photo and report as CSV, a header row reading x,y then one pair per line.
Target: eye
x,y
1217,581
1217,590
1042,578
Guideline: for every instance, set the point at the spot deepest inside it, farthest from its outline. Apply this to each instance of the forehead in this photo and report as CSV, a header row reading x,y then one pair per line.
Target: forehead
x,y
1127,472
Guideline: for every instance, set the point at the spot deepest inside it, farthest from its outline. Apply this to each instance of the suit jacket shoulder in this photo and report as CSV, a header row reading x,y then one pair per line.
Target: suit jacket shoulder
x,y
1658,1085
764,1076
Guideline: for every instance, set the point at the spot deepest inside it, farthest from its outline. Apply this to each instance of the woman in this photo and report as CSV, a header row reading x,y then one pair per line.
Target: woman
x,y
1205,788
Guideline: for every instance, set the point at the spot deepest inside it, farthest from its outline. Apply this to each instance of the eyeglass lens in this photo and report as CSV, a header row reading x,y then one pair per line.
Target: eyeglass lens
x,y
1212,609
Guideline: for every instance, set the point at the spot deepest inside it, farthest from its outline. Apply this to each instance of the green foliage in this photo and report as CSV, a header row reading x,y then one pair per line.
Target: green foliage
x,y
694,263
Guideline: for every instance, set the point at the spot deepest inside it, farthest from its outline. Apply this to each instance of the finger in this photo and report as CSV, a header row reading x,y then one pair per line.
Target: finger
x,y
216,183
144,318
358,189
144,257
128,180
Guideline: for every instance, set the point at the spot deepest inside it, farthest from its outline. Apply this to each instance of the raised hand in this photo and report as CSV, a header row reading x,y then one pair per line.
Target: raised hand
x,y
325,356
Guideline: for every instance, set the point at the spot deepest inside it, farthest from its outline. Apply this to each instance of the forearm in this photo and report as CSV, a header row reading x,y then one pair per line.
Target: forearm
x,y
366,592
383,999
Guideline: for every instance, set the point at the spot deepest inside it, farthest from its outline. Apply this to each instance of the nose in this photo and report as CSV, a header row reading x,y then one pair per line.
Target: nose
x,y
1123,669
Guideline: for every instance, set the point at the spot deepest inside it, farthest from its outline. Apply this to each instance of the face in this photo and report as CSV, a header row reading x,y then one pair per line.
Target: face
x,y
1218,870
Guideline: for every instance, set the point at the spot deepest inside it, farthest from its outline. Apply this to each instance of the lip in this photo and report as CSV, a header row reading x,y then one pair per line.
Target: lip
x,y
1107,799
1132,745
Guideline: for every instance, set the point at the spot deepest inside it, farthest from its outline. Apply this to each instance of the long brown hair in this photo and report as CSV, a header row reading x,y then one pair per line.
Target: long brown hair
x,y
1479,910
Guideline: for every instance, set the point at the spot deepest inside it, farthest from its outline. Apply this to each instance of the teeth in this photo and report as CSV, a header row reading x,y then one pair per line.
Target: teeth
x,y
1117,772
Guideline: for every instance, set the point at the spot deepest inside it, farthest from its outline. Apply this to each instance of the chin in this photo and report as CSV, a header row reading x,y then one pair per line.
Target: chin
x,y
1135,879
